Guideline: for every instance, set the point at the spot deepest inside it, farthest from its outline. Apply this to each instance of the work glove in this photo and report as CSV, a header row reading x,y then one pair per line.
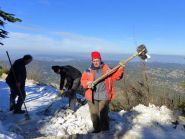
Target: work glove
x,y
62,92
90,85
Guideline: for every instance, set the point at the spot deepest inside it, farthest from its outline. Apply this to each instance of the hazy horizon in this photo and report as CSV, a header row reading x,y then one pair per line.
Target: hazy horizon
x,y
69,56
106,26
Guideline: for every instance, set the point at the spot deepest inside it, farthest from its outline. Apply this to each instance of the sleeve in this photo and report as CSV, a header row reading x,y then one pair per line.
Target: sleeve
x,y
84,79
62,79
17,71
118,74
69,83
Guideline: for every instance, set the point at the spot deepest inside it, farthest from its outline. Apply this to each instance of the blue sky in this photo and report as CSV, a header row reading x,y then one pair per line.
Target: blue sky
x,y
112,26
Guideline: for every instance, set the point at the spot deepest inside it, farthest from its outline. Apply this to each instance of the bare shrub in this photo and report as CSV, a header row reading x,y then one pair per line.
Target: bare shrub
x,y
143,91
3,69
35,73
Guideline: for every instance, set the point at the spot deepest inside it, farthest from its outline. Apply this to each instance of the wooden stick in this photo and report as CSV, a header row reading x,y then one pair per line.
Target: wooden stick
x,y
121,63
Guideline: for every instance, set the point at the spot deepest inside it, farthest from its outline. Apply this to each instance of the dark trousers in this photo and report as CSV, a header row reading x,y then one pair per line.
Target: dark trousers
x,y
99,114
71,93
14,93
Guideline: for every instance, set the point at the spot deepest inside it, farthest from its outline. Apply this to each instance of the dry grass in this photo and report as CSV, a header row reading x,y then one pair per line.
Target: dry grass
x,y
143,91
3,69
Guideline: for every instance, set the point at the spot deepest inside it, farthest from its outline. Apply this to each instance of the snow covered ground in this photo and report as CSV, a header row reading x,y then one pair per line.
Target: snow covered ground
x,y
142,122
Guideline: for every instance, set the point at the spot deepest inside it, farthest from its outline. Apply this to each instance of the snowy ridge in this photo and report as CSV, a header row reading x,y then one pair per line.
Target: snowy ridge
x,y
141,122
66,122
8,135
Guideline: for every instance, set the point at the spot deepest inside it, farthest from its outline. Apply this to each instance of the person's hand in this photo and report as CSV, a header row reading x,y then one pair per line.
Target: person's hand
x,y
62,92
90,85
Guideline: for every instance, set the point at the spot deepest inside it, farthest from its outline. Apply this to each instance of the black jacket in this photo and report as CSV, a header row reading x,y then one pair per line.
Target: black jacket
x,y
19,68
70,74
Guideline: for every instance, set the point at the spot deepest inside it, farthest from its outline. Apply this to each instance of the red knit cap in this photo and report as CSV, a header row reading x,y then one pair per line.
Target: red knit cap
x,y
95,55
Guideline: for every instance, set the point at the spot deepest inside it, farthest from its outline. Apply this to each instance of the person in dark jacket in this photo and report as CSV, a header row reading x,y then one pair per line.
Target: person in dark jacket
x,y
72,77
16,81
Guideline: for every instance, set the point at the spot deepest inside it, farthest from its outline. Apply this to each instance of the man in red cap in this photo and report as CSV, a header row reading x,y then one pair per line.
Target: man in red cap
x,y
100,95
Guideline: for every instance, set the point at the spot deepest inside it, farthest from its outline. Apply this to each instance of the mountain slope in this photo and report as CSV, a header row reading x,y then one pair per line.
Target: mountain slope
x,y
141,122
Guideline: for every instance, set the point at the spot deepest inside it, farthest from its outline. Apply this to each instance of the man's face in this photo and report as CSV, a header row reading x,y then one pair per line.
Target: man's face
x,y
58,71
96,63
28,61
